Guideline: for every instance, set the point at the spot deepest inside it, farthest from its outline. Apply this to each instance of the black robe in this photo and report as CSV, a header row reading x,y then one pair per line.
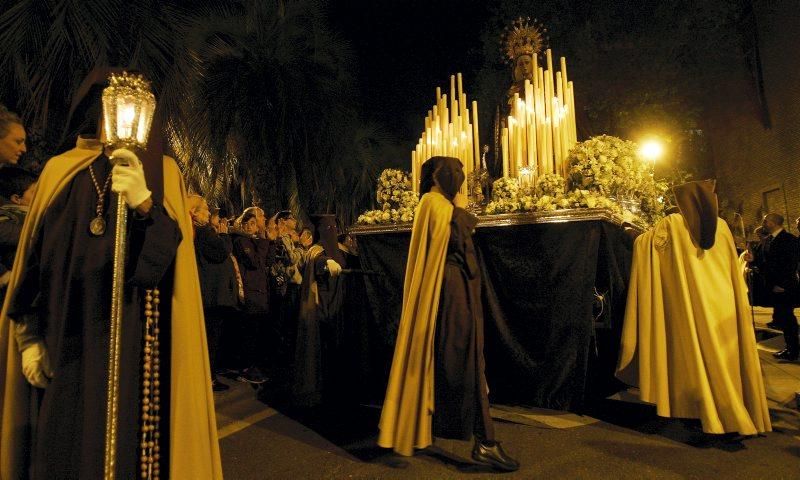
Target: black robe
x,y
439,353
64,296
460,391
312,337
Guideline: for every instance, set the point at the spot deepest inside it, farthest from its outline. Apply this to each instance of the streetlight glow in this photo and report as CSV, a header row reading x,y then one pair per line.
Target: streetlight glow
x,y
651,150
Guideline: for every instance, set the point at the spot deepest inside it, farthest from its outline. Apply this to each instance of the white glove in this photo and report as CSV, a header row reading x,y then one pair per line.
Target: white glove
x,y
129,179
334,269
36,365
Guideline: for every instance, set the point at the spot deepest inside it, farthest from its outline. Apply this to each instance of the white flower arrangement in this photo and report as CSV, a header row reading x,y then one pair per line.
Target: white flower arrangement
x,y
391,185
397,201
607,164
550,184
612,168
604,172
505,193
505,189
502,205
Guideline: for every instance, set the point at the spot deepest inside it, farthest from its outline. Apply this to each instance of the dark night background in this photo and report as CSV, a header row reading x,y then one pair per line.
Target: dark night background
x,y
301,103
408,48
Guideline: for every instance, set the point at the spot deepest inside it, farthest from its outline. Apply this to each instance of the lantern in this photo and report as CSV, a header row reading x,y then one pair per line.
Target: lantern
x,y
128,108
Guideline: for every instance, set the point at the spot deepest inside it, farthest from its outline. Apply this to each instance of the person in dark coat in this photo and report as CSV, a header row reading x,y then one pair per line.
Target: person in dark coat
x,y
356,335
284,261
18,186
218,283
438,368
759,295
251,250
59,304
319,307
779,267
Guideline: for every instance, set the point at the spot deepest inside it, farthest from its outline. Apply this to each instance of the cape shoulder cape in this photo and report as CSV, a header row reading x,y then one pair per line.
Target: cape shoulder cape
x,y
688,340
194,448
408,408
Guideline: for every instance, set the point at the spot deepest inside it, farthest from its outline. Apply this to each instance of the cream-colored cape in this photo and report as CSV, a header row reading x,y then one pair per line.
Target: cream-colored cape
x,y
688,339
408,408
194,448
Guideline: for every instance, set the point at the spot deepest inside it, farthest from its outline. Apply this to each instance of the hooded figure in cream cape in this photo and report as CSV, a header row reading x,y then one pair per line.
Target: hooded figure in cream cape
x,y
688,340
191,449
437,384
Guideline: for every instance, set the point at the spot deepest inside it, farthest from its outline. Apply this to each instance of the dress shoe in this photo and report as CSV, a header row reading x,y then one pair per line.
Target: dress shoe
x,y
252,375
494,455
788,356
779,353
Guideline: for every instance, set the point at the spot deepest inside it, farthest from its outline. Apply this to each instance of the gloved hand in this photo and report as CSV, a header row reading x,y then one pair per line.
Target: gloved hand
x,y
129,179
334,269
36,365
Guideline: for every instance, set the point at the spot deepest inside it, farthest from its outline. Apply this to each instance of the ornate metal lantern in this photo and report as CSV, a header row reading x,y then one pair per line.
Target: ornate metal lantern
x,y
128,108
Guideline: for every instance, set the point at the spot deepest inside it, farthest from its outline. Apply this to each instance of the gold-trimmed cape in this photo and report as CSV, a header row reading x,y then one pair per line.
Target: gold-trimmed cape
x,y
688,340
406,418
194,448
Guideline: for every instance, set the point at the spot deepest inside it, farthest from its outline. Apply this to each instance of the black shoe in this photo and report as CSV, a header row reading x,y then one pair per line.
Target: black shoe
x,y
779,353
787,355
773,325
218,386
252,375
494,455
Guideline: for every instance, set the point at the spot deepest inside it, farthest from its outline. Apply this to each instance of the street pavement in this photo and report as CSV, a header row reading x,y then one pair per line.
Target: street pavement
x,y
619,438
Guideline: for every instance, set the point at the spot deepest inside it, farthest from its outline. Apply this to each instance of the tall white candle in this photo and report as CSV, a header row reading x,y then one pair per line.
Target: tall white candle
x,y
504,140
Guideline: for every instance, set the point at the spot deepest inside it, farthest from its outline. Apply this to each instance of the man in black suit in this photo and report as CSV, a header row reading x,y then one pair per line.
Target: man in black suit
x,y
759,295
780,272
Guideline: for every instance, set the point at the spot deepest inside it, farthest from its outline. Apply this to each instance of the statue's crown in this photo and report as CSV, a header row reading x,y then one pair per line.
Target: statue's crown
x,y
522,38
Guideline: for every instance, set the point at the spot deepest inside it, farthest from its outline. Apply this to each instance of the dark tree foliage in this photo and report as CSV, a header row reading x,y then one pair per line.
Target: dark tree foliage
x,y
273,105
252,93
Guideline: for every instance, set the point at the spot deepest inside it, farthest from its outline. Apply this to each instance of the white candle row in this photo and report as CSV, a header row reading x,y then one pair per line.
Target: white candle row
x,y
540,129
449,132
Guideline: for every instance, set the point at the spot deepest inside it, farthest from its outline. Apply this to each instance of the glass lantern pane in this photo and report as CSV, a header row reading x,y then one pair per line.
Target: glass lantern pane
x,y
126,113
145,118
109,116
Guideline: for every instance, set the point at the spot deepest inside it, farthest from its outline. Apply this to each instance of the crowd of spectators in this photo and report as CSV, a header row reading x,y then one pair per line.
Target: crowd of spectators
x,y
251,275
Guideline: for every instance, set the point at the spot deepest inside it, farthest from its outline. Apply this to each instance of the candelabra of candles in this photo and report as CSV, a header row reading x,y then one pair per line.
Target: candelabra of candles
x,y
449,132
540,128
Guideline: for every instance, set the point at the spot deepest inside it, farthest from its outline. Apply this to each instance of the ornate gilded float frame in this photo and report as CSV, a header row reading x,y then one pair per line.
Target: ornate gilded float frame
x,y
509,219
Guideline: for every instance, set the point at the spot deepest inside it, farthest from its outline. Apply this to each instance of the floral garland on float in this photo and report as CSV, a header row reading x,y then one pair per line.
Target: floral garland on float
x,y
396,198
614,168
604,172
548,194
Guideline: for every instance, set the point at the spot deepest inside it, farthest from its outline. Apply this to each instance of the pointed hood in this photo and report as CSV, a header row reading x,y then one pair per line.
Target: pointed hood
x,y
326,234
446,171
698,205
